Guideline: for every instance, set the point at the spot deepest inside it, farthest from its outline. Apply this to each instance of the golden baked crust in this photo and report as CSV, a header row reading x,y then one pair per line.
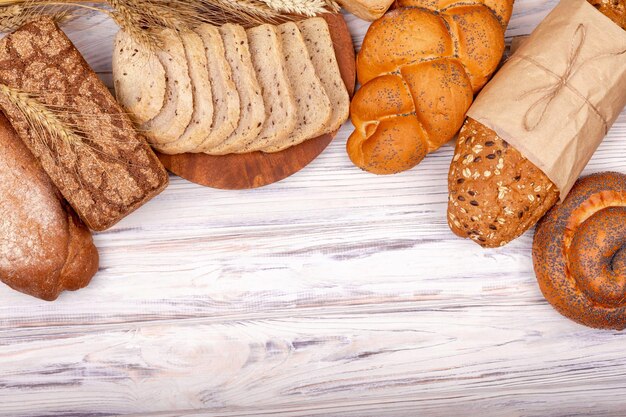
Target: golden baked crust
x,y
419,67
495,193
112,171
579,256
44,248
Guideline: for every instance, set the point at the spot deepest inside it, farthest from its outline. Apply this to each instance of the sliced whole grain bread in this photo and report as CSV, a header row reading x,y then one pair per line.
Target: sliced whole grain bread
x,y
173,119
225,96
320,46
139,78
314,109
251,100
202,118
280,104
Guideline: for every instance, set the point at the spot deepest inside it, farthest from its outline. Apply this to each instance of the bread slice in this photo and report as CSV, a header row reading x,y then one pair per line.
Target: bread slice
x,y
313,104
202,118
320,46
139,78
225,95
251,100
280,104
173,119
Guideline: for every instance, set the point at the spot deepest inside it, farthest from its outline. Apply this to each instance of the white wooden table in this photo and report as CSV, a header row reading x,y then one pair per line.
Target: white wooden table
x,y
332,293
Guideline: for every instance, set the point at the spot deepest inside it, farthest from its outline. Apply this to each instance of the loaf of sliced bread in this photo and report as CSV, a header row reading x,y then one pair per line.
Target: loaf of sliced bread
x,y
320,46
225,96
202,118
173,119
251,100
280,104
313,105
139,79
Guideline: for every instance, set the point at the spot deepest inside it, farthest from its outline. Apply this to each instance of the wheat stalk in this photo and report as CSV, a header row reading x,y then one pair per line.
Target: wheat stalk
x,y
45,123
141,19
14,14
299,7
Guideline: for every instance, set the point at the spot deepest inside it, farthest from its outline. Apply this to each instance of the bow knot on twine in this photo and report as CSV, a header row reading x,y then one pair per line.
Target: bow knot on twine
x,y
538,111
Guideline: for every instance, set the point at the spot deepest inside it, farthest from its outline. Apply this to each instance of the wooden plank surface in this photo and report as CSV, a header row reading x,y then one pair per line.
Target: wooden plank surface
x,y
332,293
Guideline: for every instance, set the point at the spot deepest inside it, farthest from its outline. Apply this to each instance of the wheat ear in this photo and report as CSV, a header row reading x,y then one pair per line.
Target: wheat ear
x,y
40,118
301,7
127,19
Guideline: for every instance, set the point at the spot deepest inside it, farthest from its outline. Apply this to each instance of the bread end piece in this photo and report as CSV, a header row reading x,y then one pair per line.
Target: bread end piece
x,y
495,193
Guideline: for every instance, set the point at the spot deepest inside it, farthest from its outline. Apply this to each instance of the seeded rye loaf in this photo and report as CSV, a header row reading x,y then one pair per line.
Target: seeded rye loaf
x,y
251,100
202,116
110,172
44,248
320,46
225,96
495,193
280,104
314,108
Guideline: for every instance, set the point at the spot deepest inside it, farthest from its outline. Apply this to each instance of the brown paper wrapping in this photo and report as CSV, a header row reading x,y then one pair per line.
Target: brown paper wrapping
x,y
556,98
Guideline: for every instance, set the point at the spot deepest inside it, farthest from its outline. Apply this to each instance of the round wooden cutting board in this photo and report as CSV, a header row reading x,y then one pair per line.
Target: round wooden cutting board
x,y
256,169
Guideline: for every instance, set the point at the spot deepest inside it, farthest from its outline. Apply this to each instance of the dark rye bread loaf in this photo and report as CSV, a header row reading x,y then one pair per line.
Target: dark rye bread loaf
x,y
44,248
495,193
111,171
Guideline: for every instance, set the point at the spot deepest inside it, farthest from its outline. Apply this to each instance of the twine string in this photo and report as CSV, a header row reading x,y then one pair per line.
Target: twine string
x,y
538,111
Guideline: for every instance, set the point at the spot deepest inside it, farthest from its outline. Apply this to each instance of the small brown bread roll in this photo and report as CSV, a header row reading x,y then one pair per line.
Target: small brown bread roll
x,y
495,194
579,253
44,248
420,66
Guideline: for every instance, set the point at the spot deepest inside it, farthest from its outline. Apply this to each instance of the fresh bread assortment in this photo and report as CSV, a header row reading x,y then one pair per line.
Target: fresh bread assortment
x,y
495,193
44,248
579,255
74,160
420,66
266,88
103,168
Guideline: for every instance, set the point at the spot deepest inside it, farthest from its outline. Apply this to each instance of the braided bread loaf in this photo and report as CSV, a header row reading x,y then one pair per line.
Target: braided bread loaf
x,y
496,194
420,66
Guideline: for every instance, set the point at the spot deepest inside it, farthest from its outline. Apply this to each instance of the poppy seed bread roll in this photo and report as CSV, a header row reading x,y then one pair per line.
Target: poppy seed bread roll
x,y
420,66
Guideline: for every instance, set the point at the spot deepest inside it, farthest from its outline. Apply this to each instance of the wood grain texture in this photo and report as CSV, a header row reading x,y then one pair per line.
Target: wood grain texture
x,y
258,169
331,293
